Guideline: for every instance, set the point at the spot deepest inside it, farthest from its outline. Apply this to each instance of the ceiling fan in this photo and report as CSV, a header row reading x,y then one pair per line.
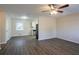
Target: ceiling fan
x,y
54,8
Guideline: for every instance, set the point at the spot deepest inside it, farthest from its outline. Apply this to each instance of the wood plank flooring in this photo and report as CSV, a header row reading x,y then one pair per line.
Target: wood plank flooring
x,y
28,45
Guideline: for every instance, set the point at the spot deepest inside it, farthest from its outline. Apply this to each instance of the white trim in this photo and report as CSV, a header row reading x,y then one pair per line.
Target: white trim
x,y
3,42
77,42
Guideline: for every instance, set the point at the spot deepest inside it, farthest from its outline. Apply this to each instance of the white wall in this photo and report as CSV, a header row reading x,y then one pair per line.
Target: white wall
x,y
47,27
68,27
2,27
34,22
5,28
8,28
27,27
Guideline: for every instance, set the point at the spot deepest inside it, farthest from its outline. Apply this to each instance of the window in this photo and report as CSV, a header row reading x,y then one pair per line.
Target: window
x,y
19,26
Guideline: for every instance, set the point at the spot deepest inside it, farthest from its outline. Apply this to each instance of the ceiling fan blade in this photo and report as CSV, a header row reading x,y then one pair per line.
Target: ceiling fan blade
x,y
45,10
60,11
49,5
52,6
64,6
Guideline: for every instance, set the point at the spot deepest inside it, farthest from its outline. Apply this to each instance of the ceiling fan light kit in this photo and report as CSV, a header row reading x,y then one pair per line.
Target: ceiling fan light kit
x,y
53,12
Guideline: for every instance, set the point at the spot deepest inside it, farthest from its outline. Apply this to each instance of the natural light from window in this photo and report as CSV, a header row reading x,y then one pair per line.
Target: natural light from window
x,y
19,26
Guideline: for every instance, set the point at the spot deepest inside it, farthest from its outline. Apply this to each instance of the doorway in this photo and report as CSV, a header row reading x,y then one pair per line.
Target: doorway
x,y
35,28
25,27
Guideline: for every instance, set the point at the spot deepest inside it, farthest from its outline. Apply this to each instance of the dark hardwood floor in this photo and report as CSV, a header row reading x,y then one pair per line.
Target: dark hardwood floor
x,y
28,45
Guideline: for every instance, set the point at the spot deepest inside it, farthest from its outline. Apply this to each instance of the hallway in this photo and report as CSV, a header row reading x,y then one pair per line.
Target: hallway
x,y
28,45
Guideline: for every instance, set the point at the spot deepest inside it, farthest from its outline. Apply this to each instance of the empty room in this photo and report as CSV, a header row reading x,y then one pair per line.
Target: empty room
x,y
39,29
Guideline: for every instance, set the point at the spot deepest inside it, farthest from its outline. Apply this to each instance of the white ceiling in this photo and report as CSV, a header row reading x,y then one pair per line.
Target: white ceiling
x,y
34,9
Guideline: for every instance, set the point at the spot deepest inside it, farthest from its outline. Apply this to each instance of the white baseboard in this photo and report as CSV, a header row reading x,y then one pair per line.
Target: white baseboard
x,y
3,42
68,39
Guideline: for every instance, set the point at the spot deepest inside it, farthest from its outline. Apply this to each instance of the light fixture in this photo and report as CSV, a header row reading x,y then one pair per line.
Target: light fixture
x,y
53,12
52,7
24,17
